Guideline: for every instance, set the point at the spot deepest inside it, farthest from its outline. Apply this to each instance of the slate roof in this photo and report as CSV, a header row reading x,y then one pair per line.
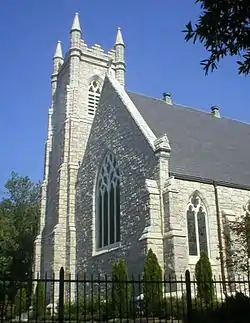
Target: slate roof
x,y
202,146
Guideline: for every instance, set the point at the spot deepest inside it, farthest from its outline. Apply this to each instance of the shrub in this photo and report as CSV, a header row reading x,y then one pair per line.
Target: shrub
x,y
20,301
204,278
75,310
87,308
152,285
233,309
173,307
120,297
7,311
39,300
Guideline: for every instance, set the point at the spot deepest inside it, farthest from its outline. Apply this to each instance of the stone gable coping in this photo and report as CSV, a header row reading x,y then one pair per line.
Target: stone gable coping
x,y
162,144
135,114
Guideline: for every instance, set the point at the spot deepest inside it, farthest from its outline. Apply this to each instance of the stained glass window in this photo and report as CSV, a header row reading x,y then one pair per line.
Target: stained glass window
x,y
108,202
197,226
191,226
202,230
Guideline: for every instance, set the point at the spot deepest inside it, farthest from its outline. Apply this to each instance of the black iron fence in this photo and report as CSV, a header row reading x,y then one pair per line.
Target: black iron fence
x,y
82,299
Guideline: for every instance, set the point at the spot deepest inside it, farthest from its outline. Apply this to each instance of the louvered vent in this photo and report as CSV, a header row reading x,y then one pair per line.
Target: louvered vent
x,y
93,97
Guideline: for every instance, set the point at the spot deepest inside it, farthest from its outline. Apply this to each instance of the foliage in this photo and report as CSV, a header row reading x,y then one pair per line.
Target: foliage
x,y
204,278
223,28
20,301
39,300
152,284
237,237
233,309
120,289
173,307
74,310
176,307
87,308
9,245
19,218
94,308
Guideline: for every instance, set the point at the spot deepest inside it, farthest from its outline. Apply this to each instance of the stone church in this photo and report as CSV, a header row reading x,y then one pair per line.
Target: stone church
x,y
125,172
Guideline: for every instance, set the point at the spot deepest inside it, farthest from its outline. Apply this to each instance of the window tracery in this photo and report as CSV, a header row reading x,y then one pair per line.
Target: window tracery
x,y
108,202
197,226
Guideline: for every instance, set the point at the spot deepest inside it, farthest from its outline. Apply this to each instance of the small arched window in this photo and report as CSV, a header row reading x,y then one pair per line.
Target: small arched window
x,y
93,96
197,226
108,203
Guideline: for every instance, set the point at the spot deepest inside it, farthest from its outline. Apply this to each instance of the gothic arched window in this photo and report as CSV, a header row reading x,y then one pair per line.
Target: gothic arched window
x,y
197,226
108,203
93,96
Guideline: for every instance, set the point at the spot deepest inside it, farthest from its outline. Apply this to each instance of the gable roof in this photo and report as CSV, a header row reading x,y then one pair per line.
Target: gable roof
x,y
202,146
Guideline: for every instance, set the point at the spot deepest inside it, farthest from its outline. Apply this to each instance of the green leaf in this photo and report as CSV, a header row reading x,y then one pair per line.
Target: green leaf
x,y
19,224
224,30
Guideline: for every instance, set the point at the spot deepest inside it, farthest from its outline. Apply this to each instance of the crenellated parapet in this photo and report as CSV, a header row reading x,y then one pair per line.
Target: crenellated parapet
x,y
97,52
94,54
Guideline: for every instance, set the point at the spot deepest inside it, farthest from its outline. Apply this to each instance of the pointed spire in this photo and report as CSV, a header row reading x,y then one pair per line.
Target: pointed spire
x,y
76,23
58,52
119,39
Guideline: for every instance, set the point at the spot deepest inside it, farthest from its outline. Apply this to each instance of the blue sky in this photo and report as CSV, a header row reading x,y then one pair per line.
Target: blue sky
x,y
158,59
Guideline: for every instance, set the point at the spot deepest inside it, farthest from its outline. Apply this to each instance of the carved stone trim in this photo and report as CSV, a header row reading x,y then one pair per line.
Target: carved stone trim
x,y
170,185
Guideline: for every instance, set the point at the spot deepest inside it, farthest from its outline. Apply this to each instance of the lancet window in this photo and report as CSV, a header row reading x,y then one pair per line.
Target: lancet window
x,y
108,203
197,226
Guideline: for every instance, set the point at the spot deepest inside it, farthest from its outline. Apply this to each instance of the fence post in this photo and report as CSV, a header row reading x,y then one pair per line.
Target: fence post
x,y
61,296
188,295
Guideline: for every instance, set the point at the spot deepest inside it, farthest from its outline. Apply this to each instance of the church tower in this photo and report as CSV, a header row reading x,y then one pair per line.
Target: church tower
x,y
76,84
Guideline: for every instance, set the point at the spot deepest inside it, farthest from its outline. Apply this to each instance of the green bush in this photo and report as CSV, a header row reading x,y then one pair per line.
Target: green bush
x,y
176,307
120,294
173,307
95,307
74,310
20,301
233,309
39,300
87,308
7,311
152,285
204,278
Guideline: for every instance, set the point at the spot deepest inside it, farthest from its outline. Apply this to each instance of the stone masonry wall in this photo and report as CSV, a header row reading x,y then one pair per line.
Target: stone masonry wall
x,y
87,72
47,253
71,127
114,129
176,197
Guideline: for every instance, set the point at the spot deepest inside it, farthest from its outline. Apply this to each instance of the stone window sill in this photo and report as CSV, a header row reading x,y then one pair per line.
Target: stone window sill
x,y
194,259
107,249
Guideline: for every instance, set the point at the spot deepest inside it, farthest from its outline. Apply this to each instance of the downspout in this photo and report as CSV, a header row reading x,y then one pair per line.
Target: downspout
x,y
223,276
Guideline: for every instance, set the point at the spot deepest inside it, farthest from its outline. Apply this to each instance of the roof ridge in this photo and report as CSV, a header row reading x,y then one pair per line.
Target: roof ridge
x,y
183,106
201,146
